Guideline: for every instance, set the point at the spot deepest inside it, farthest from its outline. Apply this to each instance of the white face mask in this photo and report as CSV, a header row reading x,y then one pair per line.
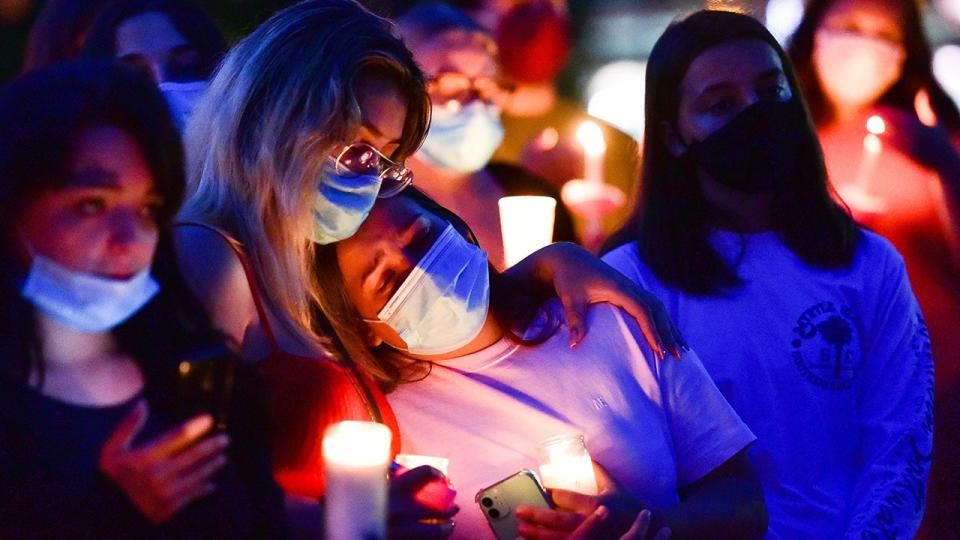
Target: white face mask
x,y
463,140
855,70
182,97
86,302
442,305
341,204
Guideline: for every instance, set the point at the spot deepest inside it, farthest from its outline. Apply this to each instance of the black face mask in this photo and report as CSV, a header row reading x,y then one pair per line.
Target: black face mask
x,y
758,151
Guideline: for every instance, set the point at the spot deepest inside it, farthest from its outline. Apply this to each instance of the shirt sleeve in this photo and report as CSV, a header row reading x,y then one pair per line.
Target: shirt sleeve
x,y
704,428
895,409
625,259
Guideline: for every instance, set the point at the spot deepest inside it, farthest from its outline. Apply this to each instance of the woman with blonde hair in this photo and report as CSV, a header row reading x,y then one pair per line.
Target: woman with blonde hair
x,y
305,124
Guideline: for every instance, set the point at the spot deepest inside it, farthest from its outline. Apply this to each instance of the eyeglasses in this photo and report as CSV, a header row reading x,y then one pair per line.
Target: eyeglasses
x,y
452,86
362,159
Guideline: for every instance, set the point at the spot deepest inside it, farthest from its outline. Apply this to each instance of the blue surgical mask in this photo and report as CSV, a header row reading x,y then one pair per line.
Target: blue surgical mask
x,y
182,98
341,204
463,140
442,305
86,302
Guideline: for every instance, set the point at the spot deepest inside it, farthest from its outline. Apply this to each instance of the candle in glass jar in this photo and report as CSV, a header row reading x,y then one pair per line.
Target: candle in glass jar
x,y
566,464
356,457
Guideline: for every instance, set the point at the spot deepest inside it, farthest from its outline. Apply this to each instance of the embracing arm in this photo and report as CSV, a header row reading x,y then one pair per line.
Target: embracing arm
x,y
580,279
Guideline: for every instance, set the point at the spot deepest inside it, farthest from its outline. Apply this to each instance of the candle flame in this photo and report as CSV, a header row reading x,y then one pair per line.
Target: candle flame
x,y
590,137
876,125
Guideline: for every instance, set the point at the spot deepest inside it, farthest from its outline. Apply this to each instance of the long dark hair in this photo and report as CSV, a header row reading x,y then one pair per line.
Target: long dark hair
x,y
673,220
41,114
195,25
917,71
513,305
58,33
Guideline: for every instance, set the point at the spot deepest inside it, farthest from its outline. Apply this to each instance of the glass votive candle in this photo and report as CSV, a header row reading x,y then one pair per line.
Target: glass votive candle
x,y
566,464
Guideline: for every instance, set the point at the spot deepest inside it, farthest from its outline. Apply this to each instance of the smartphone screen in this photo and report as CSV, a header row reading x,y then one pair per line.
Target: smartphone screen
x,y
205,384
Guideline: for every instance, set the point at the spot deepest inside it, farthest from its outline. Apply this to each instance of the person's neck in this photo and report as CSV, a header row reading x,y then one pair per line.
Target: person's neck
x,y
745,212
491,333
531,100
67,349
844,115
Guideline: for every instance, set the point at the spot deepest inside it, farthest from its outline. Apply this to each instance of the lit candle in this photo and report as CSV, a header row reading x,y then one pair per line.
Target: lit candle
x,y
872,148
566,464
356,457
857,193
590,137
526,225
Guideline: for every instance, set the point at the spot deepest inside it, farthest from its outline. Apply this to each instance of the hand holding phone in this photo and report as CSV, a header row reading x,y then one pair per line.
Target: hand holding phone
x,y
205,384
498,502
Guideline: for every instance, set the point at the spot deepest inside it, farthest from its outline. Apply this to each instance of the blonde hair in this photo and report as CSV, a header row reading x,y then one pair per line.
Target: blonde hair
x,y
256,145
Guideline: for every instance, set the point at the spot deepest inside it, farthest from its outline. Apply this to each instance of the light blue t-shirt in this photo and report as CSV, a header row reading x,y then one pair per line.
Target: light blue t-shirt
x,y
832,371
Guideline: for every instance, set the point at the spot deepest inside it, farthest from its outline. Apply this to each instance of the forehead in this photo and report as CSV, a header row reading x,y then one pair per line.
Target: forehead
x,y
878,14
383,108
147,33
108,154
457,51
736,62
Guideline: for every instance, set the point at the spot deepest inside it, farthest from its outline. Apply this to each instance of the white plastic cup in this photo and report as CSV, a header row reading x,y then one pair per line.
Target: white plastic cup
x,y
356,457
526,224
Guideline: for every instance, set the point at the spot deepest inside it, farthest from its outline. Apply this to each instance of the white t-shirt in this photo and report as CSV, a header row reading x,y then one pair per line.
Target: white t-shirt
x,y
831,369
653,425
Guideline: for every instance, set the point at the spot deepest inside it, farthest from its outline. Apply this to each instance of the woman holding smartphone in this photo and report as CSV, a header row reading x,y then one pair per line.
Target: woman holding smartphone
x,y
94,321
483,377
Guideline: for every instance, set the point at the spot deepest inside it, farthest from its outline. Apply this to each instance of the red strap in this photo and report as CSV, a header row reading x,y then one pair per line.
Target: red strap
x,y
237,248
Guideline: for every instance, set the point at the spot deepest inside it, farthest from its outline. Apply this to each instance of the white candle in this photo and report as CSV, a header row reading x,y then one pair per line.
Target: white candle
x,y
858,194
590,137
566,464
872,148
526,225
356,456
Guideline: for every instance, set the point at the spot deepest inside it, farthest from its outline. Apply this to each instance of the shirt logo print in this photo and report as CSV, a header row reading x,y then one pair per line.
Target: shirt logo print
x,y
826,346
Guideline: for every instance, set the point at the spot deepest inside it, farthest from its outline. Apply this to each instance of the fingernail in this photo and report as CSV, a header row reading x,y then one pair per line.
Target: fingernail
x,y
645,514
575,336
223,440
199,425
602,512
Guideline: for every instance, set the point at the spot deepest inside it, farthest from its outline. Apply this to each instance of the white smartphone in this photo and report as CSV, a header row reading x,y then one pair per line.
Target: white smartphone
x,y
498,501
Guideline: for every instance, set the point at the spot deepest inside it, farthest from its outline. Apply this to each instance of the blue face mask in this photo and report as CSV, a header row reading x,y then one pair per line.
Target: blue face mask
x,y
463,140
86,302
442,304
182,98
341,204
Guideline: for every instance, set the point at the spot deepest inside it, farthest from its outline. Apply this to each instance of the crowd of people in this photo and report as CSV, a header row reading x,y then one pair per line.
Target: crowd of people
x,y
309,217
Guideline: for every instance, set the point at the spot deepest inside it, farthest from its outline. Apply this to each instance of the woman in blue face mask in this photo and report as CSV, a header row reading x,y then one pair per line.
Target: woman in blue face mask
x,y
806,322
96,437
453,164
483,378
173,41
